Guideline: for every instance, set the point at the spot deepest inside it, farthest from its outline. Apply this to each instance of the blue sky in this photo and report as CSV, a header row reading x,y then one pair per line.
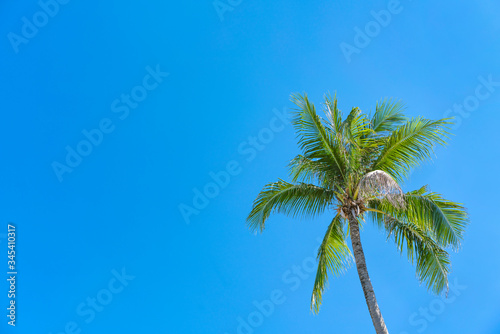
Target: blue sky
x,y
161,97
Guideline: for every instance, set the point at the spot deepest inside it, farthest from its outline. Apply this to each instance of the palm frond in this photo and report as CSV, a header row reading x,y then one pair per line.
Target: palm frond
x,y
303,169
357,125
388,115
290,199
432,261
409,144
446,219
334,256
334,115
358,142
314,139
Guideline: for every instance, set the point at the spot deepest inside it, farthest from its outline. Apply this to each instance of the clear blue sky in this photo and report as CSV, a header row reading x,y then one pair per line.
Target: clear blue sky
x,y
179,90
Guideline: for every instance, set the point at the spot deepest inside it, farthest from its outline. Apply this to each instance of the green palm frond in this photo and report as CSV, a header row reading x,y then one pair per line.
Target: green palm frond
x,y
333,114
357,143
447,220
334,256
432,262
410,144
357,126
388,115
314,139
443,219
303,169
290,199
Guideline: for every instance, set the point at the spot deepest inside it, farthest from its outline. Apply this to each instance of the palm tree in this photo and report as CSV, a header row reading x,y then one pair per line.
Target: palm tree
x,y
354,167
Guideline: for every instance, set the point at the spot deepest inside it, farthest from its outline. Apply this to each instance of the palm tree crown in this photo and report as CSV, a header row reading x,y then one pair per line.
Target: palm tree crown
x,y
354,166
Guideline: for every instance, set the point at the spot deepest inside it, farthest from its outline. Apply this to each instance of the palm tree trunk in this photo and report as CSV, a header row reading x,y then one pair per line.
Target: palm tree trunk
x,y
359,256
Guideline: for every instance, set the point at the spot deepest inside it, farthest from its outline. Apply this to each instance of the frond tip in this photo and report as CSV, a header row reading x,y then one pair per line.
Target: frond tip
x,y
433,262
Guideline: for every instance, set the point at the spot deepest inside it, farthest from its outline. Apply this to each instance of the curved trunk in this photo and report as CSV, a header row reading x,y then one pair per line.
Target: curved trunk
x,y
359,256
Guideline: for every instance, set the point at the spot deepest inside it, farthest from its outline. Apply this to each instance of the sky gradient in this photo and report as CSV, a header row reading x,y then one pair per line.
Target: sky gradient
x,y
117,115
